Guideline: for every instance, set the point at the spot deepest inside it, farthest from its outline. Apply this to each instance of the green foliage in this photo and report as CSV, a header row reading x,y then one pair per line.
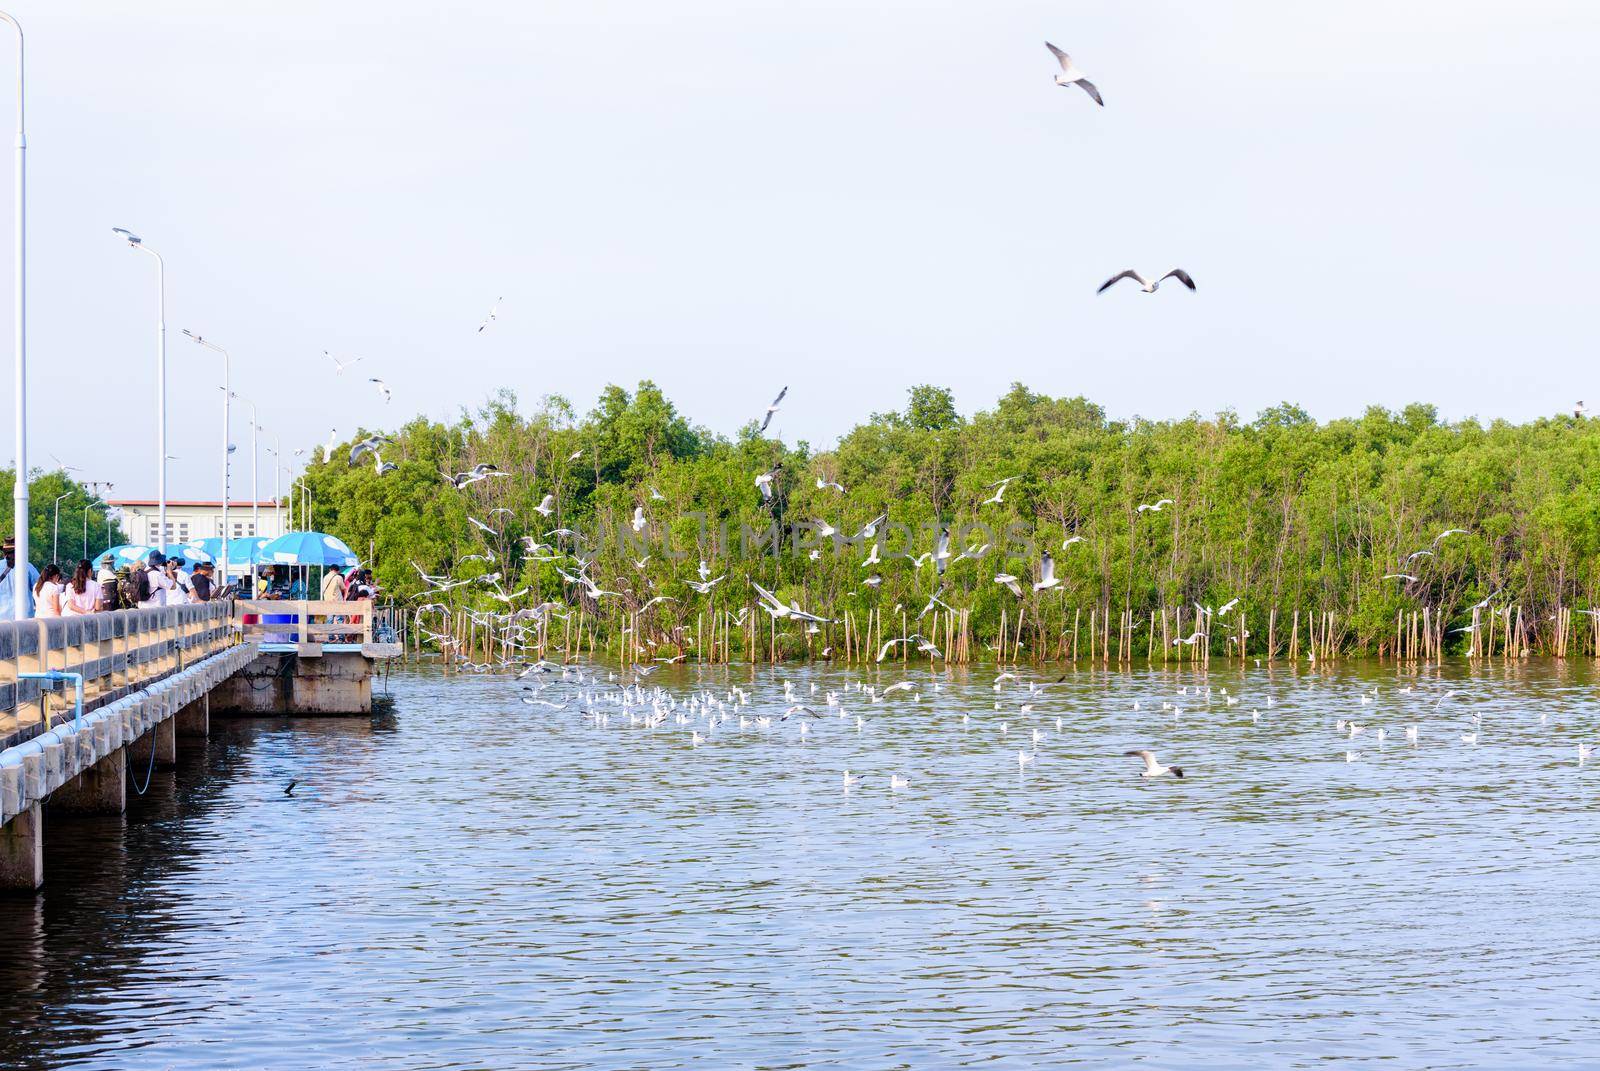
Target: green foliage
x,y
78,504
1281,512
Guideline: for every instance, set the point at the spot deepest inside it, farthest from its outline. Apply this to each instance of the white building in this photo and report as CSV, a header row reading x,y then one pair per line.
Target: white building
x,y
188,520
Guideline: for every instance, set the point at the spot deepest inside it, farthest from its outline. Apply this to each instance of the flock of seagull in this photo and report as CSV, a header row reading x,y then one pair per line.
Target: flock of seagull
x,y
1022,712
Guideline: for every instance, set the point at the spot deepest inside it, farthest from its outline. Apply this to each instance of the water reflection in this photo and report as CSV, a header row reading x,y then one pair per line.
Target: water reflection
x,y
471,881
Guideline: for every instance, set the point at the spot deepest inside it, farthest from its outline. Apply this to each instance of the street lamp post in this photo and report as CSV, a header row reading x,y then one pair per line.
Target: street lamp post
x,y
161,378
277,486
227,396
255,497
55,538
20,599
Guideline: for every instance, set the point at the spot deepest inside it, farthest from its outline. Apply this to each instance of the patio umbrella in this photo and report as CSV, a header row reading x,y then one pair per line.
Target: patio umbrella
x,y
125,554
309,548
245,549
211,545
188,555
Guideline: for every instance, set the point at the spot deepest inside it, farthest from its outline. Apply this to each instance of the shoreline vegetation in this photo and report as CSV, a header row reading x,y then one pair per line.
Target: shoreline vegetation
x,y
1391,534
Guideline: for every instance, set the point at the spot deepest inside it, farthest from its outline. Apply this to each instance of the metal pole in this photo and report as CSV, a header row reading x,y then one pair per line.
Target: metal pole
x,y
277,484
21,599
255,497
55,538
161,393
161,380
227,402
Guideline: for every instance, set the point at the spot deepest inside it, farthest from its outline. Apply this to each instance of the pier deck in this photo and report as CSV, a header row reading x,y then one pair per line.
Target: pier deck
x,y
80,696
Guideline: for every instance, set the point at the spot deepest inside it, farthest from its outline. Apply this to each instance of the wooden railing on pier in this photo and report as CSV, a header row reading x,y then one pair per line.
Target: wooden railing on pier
x,y
116,652
308,621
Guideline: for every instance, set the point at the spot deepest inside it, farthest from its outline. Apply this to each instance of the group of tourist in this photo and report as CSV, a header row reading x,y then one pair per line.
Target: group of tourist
x,y
155,580
159,580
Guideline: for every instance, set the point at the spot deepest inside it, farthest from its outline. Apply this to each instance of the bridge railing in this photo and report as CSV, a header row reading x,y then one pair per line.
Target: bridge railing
x,y
116,653
304,620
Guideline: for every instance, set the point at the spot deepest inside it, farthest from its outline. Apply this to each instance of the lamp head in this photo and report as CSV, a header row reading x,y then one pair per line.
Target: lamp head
x,y
133,239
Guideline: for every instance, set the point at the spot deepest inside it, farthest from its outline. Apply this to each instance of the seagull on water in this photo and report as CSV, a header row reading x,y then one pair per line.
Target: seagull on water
x,y
1150,286
1071,76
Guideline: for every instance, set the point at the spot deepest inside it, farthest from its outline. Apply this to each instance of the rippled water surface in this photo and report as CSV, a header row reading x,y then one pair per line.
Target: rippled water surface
x,y
473,881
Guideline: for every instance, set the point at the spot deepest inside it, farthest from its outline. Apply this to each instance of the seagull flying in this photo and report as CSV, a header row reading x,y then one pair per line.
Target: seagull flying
x,y
773,408
383,389
1000,492
338,365
1150,286
767,418
1157,507
1047,573
1071,76
1152,768
493,312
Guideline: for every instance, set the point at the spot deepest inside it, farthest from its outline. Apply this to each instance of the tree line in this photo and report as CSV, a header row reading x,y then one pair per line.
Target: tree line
x,y
1280,513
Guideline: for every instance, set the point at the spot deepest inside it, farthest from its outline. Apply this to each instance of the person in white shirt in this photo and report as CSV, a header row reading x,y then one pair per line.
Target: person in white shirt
x,y
47,592
160,582
107,579
181,594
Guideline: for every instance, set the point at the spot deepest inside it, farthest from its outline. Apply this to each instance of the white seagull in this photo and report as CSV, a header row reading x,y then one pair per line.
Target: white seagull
x,y
493,312
383,389
773,408
1000,493
1047,573
1071,76
338,365
1152,768
1150,286
1157,507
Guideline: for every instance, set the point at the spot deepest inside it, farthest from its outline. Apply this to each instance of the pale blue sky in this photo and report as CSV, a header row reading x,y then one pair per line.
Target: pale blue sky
x,y
1381,202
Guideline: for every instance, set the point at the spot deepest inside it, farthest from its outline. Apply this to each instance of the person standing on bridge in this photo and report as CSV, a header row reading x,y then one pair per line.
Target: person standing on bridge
x,y
10,589
47,592
83,592
332,584
158,580
200,582
107,579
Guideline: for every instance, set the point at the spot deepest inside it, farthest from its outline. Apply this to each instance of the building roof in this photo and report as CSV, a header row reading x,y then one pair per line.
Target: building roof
x,y
188,503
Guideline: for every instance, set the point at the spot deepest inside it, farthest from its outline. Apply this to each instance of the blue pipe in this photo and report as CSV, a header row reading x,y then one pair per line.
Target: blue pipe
x,y
57,676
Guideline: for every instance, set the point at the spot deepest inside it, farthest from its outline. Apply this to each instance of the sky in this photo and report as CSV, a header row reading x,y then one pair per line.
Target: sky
x,y
1381,202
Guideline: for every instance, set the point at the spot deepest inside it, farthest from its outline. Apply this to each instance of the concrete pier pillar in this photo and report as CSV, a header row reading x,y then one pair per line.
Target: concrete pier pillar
x,y
165,739
163,736
195,719
22,852
101,789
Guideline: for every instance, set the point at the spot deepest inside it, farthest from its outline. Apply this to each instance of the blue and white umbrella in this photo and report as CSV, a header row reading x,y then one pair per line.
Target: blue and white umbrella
x,y
245,550
188,555
309,548
125,554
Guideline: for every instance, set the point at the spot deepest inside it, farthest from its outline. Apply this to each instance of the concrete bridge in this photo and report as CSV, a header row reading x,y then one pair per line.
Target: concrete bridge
x,y
88,703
